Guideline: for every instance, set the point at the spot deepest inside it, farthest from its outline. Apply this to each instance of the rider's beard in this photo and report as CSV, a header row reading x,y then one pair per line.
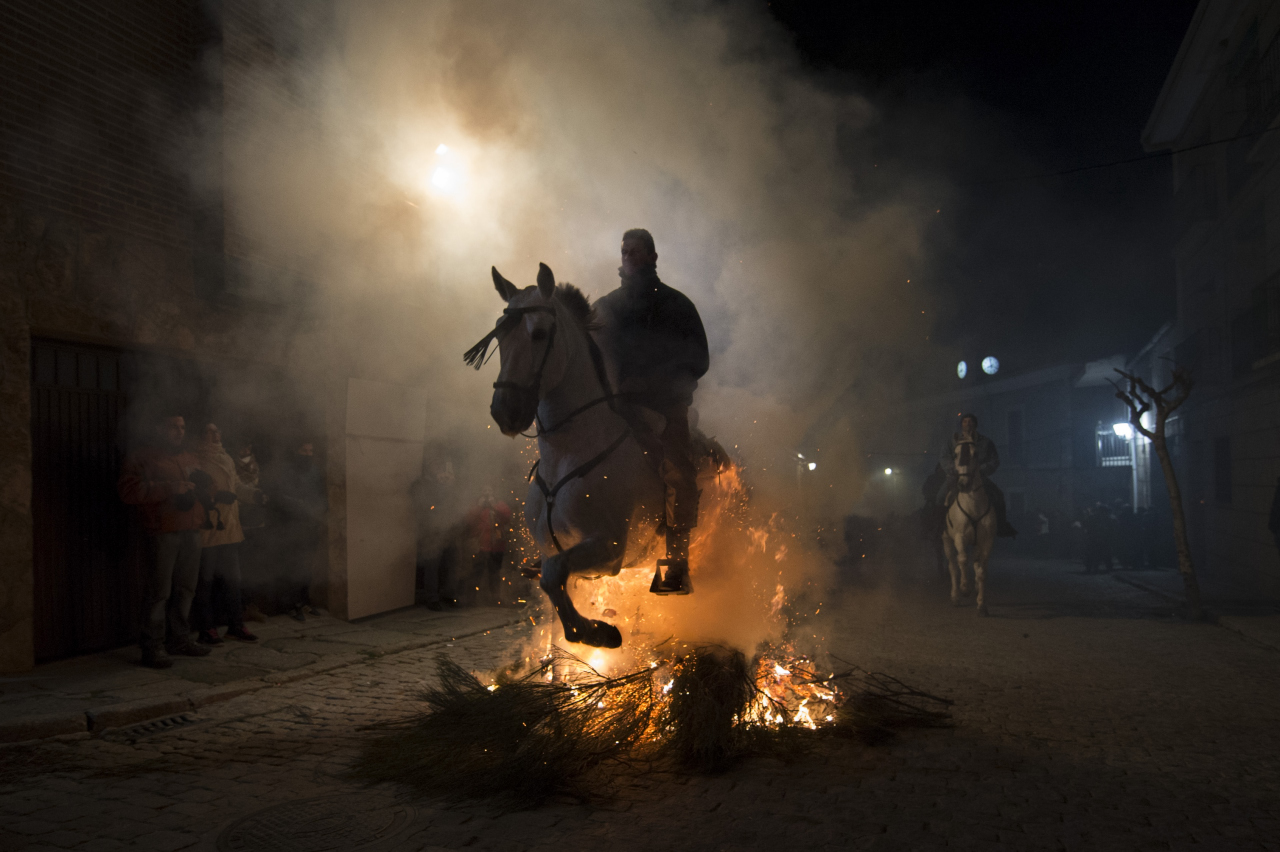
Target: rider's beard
x,y
639,277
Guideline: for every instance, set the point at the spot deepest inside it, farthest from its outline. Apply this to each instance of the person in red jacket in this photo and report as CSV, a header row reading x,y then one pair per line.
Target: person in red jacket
x,y
489,524
157,479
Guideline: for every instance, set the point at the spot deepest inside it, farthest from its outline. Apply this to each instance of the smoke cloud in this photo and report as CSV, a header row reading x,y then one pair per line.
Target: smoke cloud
x,y
404,147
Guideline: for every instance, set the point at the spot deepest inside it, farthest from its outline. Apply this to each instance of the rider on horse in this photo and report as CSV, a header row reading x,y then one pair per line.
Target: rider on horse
x,y
988,461
653,336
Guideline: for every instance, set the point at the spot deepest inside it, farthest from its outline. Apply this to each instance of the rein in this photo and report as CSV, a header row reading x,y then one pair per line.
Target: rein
x,y
971,518
476,356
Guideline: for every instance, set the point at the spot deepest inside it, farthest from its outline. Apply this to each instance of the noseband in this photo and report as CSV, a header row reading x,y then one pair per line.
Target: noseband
x,y
475,356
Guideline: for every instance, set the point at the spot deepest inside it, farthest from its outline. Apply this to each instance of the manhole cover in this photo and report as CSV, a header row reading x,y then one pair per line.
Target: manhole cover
x,y
318,825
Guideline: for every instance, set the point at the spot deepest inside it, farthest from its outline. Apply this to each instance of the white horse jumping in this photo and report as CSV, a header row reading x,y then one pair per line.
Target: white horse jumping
x,y
595,502
970,531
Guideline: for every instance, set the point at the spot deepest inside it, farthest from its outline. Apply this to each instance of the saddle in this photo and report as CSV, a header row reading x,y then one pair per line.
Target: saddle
x,y
709,456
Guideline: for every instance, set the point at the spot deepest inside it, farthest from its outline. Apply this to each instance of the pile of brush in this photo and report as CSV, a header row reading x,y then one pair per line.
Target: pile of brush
x,y
538,735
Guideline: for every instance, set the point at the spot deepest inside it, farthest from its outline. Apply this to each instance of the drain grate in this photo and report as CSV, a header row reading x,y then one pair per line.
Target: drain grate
x,y
133,733
319,825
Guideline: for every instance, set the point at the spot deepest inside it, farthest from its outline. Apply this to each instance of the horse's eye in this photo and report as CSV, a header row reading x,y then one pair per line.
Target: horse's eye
x,y
539,334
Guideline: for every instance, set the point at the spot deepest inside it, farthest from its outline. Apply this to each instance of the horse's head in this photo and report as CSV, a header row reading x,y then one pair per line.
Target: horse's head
x,y
532,362
966,459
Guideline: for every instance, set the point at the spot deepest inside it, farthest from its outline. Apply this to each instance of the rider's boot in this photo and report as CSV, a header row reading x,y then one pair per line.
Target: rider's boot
x,y
675,580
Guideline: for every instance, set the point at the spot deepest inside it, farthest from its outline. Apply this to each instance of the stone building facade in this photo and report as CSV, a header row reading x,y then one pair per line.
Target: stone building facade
x,y
1219,115
114,250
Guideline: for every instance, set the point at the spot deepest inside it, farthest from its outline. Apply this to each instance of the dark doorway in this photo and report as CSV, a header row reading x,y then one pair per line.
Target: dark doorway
x,y
87,582
89,405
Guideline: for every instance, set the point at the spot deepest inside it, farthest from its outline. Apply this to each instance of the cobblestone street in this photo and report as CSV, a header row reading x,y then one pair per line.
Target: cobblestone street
x,y
1086,718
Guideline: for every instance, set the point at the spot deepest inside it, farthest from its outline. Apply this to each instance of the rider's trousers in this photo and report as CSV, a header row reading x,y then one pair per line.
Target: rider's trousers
x,y
679,471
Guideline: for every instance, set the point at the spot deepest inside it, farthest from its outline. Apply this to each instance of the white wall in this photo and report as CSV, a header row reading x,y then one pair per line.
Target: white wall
x,y
386,426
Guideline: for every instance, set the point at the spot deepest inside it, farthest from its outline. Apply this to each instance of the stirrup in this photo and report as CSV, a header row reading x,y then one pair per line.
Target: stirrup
x,y
679,584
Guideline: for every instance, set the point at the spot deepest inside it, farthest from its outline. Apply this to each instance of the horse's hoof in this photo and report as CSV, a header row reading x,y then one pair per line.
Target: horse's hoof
x,y
966,592
982,610
597,634
955,601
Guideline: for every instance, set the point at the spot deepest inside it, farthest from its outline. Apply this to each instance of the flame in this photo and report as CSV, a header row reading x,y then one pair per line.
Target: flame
x,y
792,691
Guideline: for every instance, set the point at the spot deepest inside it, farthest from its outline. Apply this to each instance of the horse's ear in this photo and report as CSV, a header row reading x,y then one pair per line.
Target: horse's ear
x,y
504,287
546,281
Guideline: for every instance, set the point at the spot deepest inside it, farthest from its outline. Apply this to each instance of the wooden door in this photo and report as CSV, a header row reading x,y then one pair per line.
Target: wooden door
x,y
88,580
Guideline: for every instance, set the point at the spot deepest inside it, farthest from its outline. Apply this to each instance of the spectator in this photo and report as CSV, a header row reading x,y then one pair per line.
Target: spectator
x,y
302,497
1128,537
1098,538
489,524
156,479
1147,537
435,499
220,551
253,521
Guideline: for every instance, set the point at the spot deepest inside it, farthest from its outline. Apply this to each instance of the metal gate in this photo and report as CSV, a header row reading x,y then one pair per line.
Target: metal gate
x,y
87,546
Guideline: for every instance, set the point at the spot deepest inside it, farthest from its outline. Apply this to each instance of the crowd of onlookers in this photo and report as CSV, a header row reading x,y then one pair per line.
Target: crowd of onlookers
x,y
1115,536
223,547
466,553
230,543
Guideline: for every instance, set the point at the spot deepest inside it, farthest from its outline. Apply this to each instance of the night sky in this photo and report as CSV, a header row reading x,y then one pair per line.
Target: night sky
x,y
979,96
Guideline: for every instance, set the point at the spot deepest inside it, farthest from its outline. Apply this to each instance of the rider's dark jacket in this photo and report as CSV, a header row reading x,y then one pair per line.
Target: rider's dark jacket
x,y
983,448
654,338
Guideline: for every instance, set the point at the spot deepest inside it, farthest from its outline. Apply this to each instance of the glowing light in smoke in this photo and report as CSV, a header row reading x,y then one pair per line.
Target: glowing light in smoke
x,y
444,179
888,471
442,149
1123,430
813,465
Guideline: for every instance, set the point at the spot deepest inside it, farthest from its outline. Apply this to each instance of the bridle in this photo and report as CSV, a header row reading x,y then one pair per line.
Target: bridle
x,y
476,357
966,449
511,317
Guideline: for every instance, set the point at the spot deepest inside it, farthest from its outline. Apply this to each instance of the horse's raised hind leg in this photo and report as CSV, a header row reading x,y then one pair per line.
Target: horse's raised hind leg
x,y
591,555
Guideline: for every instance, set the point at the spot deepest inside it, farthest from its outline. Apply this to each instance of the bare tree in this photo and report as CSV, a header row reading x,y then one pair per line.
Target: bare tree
x,y
1141,397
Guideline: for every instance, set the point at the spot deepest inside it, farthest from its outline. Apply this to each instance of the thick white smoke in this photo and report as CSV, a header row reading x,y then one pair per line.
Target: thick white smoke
x,y
563,124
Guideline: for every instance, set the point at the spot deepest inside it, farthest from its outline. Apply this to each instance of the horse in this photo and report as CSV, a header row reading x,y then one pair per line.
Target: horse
x,y
595,501
970,530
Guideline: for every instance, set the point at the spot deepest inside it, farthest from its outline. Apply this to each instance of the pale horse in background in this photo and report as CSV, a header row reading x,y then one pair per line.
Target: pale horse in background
x,y
595,502
970,531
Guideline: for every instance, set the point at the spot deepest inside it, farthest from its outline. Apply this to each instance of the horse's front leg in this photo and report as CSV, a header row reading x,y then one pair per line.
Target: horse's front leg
x,y
962,563
949,548
600,554
986,537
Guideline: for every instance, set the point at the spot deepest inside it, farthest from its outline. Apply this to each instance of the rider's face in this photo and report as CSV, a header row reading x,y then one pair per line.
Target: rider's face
x,y
968,426
637,256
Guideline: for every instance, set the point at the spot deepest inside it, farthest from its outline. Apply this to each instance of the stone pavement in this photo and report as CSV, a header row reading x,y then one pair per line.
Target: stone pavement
x,y
1086,718
110,689
1244,611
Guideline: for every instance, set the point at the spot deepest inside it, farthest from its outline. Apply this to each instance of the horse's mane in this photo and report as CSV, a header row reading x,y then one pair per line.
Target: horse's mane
x,y
579,306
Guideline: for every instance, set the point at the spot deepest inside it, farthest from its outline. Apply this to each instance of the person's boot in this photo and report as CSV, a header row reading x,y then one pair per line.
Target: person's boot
x,y
675,580
187,649
153,659
208,637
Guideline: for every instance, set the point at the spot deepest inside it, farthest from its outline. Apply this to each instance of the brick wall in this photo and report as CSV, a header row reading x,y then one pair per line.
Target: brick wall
x,y
95,99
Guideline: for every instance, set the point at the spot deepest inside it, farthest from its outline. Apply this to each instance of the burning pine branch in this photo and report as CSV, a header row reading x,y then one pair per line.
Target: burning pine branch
x,y
541,734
